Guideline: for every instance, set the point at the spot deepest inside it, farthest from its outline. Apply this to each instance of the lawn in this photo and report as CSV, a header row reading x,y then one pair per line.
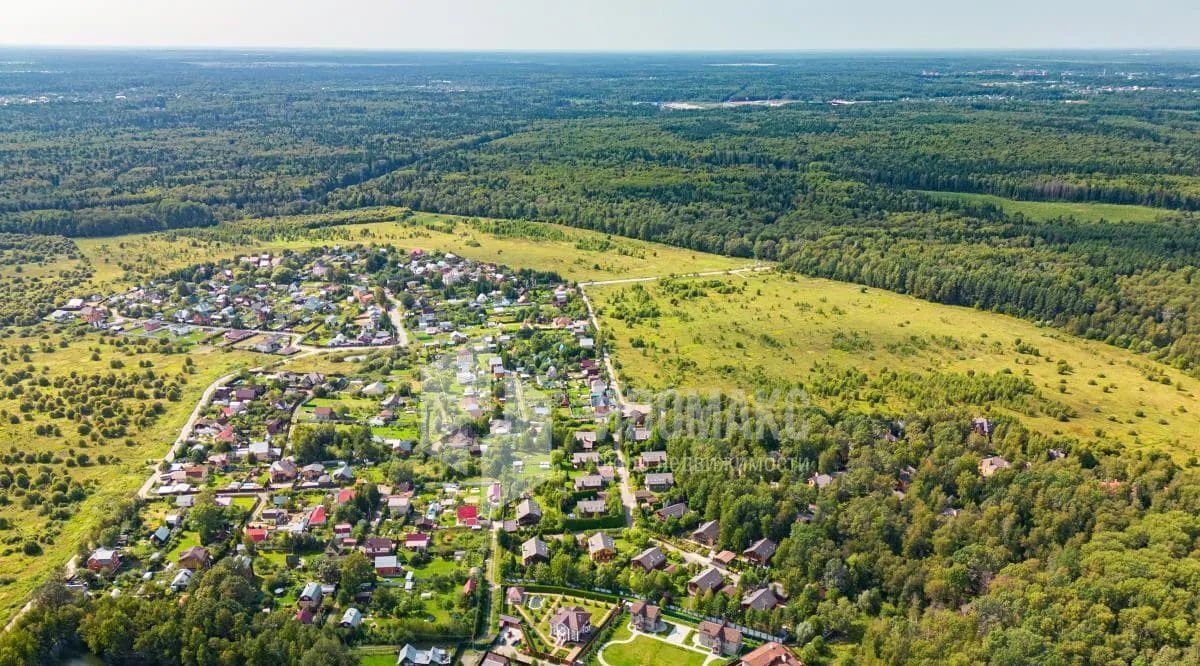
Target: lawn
x,y
646,651
778,329
1048,210
384,659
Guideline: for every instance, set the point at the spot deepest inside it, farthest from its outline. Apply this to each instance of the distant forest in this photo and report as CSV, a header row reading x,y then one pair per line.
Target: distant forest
x,y
825,182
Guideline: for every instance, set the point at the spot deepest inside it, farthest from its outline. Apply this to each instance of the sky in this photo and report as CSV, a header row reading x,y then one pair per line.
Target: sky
x,y
606,25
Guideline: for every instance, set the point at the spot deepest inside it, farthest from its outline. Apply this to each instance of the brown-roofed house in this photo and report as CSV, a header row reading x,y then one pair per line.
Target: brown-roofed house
x,y
760,552
194,558
720,639
646,617
534,550
649,559
770,654
706,581
571,624
707,533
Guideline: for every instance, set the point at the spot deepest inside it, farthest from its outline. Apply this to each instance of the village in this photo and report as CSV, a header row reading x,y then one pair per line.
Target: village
x,y
472,480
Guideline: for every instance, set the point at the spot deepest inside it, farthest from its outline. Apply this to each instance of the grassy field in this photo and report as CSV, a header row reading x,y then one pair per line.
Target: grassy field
x,y
575,254
771,330
646,651
1048,210
128,460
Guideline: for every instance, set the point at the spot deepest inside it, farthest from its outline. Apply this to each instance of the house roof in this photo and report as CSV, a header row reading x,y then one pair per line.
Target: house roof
x,y
722,631
763,549
528,507
760,599
573,617
601,541
534,547
709,579
710,530
644,609
650,558
771,654
311,590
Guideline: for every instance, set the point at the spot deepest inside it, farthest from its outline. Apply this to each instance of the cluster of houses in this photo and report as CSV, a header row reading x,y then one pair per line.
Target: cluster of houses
x,y
250,296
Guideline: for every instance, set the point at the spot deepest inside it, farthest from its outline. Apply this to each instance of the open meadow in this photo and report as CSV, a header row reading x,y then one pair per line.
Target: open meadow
x,y
85,419
850,344
1049,210
575,254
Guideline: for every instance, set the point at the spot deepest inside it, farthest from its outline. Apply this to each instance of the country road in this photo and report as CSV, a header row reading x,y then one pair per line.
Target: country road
x,y
185,431
628,501
733,271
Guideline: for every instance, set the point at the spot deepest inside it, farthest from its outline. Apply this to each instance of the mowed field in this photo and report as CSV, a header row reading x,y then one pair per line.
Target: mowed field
x,y
1048,210
771,330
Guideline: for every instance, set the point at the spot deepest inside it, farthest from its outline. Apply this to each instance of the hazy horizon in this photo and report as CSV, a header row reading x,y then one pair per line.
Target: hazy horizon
x,y
619,26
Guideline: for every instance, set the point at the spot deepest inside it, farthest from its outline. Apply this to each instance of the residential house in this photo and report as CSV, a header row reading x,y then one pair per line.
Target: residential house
x,y
104,559
601,547
515,596
770,654
590,508
992,464
589,482
649,559
707,534
760,552
351,618
283,471
586,439
416,541
181,580
434,656
378,546
706,581
724,558
646,617
762,599
651,459
534,550
582,459
399,506
571,624
677,510
387,565
528,512
310,595
194,558
468,515
660,481
323,414
720,639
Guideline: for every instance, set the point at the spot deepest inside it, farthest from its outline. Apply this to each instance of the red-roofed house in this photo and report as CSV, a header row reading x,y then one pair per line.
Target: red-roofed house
x,y
468,515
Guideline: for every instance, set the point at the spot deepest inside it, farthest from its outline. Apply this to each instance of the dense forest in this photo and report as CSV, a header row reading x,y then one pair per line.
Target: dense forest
x,y
828,181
